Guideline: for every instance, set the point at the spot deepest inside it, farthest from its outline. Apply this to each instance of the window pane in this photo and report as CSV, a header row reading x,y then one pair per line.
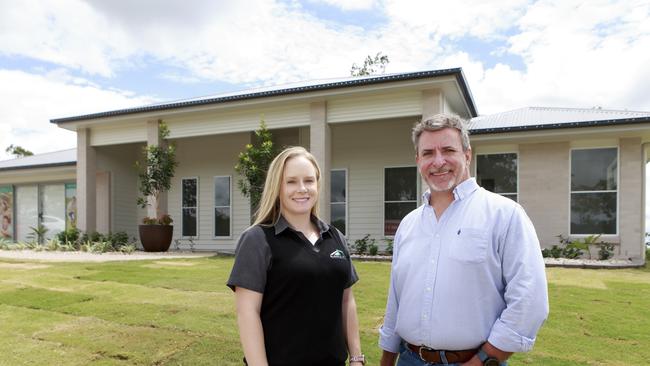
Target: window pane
x,y
338,186
337,212
189,192
511,196
394,213
593,213
7,212
497,172
222,191
189,222
222,221
400,184
70,205
593,169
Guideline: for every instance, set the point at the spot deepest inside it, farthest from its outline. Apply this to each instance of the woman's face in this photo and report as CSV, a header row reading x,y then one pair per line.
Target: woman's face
x,y
299,187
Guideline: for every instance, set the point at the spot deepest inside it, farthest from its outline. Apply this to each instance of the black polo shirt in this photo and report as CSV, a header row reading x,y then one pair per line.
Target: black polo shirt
x,y
303,288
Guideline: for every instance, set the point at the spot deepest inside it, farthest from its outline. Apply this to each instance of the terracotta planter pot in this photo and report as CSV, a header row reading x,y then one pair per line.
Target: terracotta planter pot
x,y
156,238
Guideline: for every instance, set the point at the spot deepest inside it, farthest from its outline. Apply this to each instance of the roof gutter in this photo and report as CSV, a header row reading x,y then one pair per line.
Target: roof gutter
x,y
39,166
554,126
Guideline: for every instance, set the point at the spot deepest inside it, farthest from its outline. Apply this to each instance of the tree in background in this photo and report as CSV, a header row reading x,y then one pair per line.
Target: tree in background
x,y
253,164
371,66
18,151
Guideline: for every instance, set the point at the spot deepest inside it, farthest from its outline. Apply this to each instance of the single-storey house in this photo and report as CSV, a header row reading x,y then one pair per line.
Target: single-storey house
x,y
575,171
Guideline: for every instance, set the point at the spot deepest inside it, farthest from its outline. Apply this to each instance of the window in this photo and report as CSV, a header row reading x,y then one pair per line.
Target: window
x,y
594,195
222,206
338,199
400,196
498,173
70,205
189,206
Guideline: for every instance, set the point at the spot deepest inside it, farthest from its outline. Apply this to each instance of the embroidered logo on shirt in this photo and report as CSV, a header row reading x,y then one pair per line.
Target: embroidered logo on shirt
x,y
337,254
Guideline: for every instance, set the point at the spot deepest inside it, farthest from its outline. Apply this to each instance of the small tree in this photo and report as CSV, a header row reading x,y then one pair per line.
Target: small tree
x,y
371,66
156,173
18,151
253,164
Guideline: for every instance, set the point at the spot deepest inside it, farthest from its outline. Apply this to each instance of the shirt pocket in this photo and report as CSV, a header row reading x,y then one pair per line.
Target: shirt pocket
x,y
470,245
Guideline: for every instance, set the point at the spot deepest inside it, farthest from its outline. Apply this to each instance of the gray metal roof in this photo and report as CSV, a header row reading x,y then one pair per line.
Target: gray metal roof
x,y
301,87
52,159
538,118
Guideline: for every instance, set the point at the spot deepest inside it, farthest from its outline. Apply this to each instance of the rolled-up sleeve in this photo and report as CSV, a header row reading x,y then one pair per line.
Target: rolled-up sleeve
x,y
252,261
389,340
526,293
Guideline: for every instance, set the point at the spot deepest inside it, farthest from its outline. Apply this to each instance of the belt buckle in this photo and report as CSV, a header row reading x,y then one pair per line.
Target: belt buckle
x,y
426,349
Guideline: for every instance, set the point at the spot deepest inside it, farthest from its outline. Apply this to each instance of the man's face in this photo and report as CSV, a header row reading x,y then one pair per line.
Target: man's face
x,y
441,160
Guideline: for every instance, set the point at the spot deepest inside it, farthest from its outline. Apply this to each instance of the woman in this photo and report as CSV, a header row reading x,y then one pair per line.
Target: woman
x,y
292,275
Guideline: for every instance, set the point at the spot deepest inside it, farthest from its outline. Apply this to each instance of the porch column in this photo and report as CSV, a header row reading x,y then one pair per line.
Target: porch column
x,y
153,139
630,190
320,147
432,102
86,186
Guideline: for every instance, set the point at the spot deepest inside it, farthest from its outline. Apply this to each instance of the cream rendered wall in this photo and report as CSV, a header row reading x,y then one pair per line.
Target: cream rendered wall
x,y
544,188
206,157
119,161
630,193
365,149
380,106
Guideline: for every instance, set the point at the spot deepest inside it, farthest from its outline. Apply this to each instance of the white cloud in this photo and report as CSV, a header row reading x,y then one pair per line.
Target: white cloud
x,y
349,4
29,101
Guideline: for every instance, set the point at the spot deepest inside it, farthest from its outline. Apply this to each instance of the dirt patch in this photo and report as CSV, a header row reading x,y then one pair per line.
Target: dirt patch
x,y
159,264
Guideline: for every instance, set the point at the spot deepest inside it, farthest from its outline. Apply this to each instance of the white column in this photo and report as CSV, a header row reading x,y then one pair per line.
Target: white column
x,y
320,147
86,187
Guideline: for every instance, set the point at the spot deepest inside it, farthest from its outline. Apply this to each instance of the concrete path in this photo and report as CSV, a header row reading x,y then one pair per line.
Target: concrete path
x,y
97,257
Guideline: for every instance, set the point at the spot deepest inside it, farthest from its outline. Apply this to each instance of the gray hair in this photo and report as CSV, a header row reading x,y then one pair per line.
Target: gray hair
x,y
438,122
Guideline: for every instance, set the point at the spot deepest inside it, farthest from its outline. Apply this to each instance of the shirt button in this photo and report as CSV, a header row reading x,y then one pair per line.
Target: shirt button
x,y
424,316
428,288
437,235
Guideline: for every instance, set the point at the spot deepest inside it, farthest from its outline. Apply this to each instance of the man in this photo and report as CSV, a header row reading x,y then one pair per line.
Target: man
x,y
468,285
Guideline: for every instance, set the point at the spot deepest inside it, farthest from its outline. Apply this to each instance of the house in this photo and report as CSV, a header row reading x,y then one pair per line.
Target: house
x,y
575,171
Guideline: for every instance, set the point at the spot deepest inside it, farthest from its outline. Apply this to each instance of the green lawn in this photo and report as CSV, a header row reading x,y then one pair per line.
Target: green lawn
x,y
179,312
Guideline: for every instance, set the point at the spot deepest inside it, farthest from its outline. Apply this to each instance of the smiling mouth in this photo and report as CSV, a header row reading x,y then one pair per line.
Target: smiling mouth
x,y
438,174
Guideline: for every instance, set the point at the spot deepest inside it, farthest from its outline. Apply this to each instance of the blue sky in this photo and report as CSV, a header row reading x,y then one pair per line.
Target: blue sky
x,y
72,57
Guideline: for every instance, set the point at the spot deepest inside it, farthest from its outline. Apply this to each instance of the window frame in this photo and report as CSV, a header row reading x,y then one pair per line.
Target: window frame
x,y
214,207
617,191
418,194
476,155
196,178
346,202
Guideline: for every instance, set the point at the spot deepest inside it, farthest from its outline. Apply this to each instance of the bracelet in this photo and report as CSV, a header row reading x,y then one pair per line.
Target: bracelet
x,y
360,358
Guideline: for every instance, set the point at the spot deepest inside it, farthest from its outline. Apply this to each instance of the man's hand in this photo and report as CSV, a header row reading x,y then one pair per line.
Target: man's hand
x,y
388,358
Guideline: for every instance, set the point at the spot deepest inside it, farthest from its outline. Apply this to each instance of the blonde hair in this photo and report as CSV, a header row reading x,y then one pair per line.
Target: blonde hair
x,y
269,211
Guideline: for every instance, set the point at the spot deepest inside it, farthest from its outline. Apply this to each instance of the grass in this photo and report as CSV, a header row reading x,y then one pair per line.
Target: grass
x,y
179,312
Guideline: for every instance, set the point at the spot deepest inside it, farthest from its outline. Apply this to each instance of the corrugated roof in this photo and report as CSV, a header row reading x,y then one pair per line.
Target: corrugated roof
x,y
536,118
295,88
56,158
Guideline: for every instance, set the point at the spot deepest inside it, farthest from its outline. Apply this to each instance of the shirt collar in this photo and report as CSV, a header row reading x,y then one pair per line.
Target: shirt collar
x,y
463,190
282,224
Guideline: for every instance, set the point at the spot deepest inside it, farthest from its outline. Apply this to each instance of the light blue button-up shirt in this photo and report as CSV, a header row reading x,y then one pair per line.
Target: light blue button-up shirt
x,y
474,274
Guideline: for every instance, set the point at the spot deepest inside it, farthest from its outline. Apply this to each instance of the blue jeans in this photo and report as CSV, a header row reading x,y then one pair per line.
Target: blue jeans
x,y
410,358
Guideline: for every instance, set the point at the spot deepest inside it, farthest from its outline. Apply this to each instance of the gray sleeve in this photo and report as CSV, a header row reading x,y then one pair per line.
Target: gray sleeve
x,y
353,272
252,260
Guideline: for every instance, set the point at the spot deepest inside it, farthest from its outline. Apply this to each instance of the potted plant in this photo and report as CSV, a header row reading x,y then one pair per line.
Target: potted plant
x,y
155,177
